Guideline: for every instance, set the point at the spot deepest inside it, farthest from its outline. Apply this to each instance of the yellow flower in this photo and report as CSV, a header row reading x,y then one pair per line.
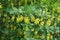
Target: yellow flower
x,y
13,17
19,19
7,26
15,27
58,9
3,19
11,27
5,15
26,20
48,22
25,36
32,18
36,21
46,9
48,38
12,4
48,34
0,6
32,29
26,1
42,36
58,18
51,37
35,36
52,17
53,9
44,12
25,32
42,23
55,24
20,32
36,32
26,28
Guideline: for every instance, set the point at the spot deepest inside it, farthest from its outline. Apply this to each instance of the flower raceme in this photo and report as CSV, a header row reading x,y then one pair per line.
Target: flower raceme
x,y
27,20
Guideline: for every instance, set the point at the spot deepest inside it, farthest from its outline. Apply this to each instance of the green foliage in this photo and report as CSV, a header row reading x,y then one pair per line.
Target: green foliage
x,y
29,19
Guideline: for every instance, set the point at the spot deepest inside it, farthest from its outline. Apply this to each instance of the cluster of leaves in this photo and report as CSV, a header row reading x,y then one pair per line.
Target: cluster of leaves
x,y
29,20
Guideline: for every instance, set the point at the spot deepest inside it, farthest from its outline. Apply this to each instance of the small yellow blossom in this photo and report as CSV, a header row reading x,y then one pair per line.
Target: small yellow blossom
x,y
3,19
13,17
41,23
58,18
55,24
48,38
15,27
35,32
35,36
26,28
52,17
48,22
20,32
42,36
12,4
46,9
7,26
19,19
0,6
25,36
11,27
32,29
58,9
51,37
32,18
26,20
48,34
36,21
53,9
44,12
5,15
